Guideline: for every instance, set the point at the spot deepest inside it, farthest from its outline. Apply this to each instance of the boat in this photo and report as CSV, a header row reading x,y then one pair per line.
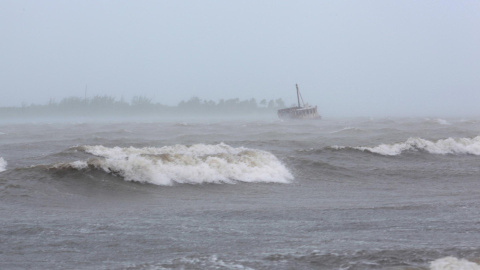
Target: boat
x,y
299,112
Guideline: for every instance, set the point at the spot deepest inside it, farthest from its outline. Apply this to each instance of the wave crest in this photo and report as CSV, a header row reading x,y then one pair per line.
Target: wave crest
x,y
448,263
446,146
194,164
3,164
437,121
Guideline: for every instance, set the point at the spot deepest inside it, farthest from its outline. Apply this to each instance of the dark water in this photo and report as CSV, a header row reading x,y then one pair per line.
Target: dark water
x,y
329,194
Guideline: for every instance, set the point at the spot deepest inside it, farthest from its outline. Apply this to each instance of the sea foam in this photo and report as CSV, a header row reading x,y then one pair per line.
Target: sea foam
x,y
445,146
3,164
437,121
452,263
196,164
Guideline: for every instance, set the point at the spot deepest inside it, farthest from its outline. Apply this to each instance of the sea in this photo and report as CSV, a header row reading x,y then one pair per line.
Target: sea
x,y
346,193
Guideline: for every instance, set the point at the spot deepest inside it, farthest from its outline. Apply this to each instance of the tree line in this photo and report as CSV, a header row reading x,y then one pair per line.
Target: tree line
x,y
111,106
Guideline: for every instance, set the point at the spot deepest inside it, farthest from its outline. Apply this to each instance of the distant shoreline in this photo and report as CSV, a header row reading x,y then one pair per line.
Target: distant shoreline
x,y
105,107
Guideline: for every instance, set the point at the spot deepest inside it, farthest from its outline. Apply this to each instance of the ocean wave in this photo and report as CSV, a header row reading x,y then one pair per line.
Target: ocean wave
x,y
3,165
379,259
450,263
196,164
446,146
347,130
437,121
199,262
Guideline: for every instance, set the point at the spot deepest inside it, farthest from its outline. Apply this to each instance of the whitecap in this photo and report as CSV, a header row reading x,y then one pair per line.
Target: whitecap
x,y
196,164
79,165
437,121
445,146
3,164
347,130
442,121
452,263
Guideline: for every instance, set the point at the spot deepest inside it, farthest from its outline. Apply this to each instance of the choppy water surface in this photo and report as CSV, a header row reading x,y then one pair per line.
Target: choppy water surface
x,y
329,194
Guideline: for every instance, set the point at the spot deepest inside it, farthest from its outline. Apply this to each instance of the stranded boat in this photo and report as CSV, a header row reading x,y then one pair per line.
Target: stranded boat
x,y
300,112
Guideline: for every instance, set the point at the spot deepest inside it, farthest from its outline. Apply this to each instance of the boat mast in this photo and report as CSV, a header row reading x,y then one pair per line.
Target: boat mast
x,y
298,96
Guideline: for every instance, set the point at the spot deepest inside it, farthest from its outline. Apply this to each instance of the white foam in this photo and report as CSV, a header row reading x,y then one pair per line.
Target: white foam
x,y
347,129
442,121
446,146
438,121
452,263
79,164
194,164
3,164
203,262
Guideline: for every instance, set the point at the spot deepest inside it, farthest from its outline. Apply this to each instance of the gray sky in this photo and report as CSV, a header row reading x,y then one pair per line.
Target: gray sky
x,y
365,58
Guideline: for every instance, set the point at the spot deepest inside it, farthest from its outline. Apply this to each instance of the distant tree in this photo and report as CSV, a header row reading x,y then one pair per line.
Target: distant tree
x,y
210,103
194,102
253,103
121,103
138,101
232,101
280,103
102,102
221,103
51,102
271,104
98,105
72,102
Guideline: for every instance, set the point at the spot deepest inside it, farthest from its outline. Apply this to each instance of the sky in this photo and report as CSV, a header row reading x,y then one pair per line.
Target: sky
x,y
350,58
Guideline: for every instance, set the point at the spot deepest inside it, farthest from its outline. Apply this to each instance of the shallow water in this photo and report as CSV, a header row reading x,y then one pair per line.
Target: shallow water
x,y
329,194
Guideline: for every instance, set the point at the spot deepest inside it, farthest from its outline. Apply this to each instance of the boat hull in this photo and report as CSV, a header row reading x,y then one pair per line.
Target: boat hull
x,y
301,113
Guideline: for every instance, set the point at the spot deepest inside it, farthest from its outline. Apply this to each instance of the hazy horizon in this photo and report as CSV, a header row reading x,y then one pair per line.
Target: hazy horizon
x,y
375,58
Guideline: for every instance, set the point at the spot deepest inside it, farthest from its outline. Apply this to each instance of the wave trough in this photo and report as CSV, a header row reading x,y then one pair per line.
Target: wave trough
x,y
445,146
196,164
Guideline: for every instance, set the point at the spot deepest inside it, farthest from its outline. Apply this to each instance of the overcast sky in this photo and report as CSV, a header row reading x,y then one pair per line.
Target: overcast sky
x,y
365,58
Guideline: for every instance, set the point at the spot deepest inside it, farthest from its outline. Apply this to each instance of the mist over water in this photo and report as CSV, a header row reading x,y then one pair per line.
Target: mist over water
x,y
144,135
399,193
387,58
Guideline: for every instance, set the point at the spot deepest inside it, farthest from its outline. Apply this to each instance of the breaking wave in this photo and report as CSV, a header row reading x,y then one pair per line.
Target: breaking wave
x,y
196,164
347,130
446,146
195,262
3,164
450,263
438,121
376,259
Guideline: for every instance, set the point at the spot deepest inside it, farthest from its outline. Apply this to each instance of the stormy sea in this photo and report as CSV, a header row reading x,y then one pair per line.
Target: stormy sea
x,y
400,193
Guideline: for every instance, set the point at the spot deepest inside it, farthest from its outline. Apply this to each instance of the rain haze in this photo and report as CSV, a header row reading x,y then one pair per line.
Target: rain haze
x,y
351,58
159,135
